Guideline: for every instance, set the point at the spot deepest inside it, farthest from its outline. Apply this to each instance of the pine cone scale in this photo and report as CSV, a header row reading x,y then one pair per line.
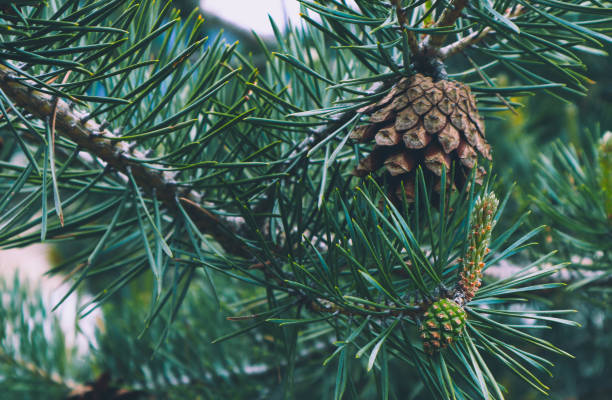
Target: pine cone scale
x,y
399,163
388,136
417,138
414,93
421,106
434,121
436,159
406,119
449,138
384,114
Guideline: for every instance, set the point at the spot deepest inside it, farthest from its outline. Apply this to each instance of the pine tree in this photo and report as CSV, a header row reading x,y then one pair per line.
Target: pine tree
x,y
231,219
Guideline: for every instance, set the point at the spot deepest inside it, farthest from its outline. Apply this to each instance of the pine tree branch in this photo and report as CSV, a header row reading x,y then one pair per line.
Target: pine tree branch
x,y
413,42
432,43
50,377
326,306
94,138
315,137
462,44
474,37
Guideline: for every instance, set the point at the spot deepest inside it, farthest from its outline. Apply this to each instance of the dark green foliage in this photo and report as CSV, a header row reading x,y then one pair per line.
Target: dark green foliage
x,y
35,361
574,194
382,280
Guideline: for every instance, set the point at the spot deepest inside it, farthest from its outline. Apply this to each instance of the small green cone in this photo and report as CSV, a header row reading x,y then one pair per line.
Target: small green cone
x,y
444,322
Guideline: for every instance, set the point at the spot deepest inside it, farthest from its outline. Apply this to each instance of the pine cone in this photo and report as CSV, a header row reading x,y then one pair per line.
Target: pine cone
x,y
444,322
421,122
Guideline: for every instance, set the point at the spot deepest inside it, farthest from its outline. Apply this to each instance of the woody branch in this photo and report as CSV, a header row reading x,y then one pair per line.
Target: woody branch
x,y
97,140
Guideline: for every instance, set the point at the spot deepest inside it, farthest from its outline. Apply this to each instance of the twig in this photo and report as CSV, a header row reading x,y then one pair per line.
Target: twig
x,y
33,369
326,306
413,42
463,43
432,42
93,137
474,37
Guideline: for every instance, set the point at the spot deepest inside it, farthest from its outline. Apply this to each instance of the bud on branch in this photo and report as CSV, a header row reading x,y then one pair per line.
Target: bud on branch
x,y
478,244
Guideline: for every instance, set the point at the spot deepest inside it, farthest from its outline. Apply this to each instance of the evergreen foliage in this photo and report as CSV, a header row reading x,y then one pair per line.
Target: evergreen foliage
x,y
207,202
579,206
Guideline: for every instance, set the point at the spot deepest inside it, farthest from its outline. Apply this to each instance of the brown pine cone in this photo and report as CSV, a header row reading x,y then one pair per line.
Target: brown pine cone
x,y
421,122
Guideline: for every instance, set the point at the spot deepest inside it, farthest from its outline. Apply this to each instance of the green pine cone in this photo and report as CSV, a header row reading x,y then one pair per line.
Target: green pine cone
x,y
444,322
